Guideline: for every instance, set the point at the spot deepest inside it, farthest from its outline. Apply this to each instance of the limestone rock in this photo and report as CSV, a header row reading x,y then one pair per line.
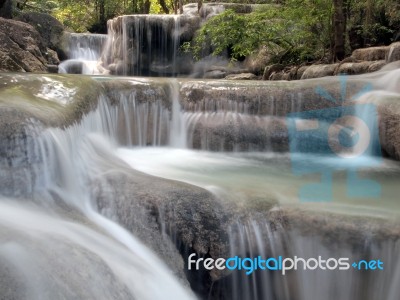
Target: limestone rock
x,y
21,48
354,68
376,66
317,71
52,57
394,52
300,71
49,28
271,69
241,76
370,54
215,74
256,63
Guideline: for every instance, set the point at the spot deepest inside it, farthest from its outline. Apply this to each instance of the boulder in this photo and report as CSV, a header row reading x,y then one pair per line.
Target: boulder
x,y
49,28
21,48
354,68
394,52
376,66
278,76
215,74
371,54
256,63
241,76
271,69
317,71
52,57
300,72
389,123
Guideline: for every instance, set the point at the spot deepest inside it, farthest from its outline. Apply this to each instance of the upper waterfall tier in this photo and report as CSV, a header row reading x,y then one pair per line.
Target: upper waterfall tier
x,y
84,45
83,51
149,45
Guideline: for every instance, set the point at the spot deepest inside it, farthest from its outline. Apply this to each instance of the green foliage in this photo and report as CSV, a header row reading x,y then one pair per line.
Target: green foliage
x,y
77,16
81,15
292,32
374,21
296,30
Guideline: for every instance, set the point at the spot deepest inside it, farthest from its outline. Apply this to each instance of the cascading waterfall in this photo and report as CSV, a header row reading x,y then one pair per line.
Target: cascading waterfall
x,y
256,238
253,237
65,220
85,46
64,213
83,51
148,45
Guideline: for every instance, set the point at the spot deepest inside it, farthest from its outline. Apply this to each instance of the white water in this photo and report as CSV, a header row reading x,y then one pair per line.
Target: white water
x,y
63,215
54,256
143,45
84,51
70,242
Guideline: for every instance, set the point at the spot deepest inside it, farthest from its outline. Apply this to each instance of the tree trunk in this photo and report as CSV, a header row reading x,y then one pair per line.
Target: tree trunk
x,y
339,23
181,7
164,6
146,7
6,9
102,12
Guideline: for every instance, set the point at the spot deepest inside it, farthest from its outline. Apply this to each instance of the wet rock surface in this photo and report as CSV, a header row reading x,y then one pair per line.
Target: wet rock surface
x,y
241,76
177,219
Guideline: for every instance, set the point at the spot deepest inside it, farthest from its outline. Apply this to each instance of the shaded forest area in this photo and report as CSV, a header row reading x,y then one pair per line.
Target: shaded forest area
x,y
297,31
293,31
92,15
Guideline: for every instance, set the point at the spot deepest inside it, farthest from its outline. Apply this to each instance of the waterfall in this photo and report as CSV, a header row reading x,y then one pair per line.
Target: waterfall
x,y
148,45
77,206
85,46
83,52
255,238
178,130
64,217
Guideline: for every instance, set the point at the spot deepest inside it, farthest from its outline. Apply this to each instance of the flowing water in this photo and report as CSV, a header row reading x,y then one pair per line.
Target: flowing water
x,y
81,215
62,222
83,52
57,239
148,45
